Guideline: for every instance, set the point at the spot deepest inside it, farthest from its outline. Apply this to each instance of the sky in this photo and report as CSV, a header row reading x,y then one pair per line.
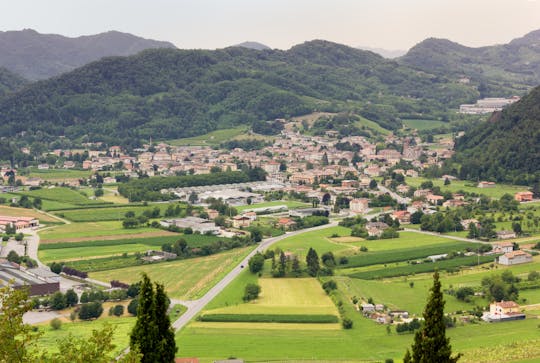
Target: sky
x,y
210,24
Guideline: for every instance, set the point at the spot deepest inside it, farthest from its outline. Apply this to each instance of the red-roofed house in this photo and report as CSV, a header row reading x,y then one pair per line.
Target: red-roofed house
x,y
514,258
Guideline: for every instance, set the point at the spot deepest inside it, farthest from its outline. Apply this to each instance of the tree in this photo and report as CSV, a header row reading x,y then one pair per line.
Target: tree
x,y
58,301
256,263
71,298
251,292
91,310
133,306
17,340
328,259
56,267
312,261
55,324
98,192
430,342
152,334
13,257
324,161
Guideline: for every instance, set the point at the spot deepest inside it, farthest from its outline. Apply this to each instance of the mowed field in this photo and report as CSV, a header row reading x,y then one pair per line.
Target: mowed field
x,y
90,230
423,124
183,279
115,213
23,212
291,204
62,195
211,138
498,191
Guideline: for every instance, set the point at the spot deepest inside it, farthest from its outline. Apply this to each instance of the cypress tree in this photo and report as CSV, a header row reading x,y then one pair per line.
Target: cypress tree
x,y
312,261
166,344
430,342
145,332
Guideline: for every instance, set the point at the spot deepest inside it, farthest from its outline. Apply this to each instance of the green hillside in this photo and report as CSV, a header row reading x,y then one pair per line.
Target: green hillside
x,y
169,93
9,81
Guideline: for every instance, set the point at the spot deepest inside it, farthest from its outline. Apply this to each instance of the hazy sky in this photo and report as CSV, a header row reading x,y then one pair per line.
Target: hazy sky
x,y
390,24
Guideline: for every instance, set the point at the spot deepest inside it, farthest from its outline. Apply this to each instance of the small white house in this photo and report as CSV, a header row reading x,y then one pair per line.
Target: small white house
x,y
515,258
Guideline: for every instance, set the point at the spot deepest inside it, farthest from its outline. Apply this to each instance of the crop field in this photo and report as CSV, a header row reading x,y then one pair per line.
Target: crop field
x,y
67,251
107,214
423,124
291,204
90,230
83,329
211,138
183,279
461,185
56,174
23,212
62,195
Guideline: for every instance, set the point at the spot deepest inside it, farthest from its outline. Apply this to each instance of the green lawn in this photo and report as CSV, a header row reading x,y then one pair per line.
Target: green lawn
x,y
364,122
89,230
55,174
467,186
211,138
62,195
108,214
423,124
183,279
123,326
291,204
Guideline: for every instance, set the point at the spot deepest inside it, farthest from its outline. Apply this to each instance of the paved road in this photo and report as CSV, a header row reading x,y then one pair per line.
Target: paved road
x,y
395,196
195,306
445,236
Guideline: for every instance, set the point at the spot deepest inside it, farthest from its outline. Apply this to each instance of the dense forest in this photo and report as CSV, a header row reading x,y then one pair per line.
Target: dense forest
x,y
169,93
498,70
507,147
9,81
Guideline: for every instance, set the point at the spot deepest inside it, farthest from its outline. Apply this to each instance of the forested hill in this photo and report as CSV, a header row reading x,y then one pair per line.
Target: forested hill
x,y
169,93
38,56
498,70
9,81
506,148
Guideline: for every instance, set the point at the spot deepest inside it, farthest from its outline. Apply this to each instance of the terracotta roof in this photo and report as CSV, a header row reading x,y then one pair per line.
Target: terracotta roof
x,y
507,304
515,254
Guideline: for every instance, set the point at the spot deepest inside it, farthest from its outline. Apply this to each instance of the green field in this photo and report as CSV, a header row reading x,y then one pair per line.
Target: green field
x,y
48,341
183,279
291,204
364,122
108,214
211,138
73,231
423,124
56,174
467,186
67,251
64,196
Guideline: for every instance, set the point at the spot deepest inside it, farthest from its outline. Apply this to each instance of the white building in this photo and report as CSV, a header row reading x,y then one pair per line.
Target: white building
x,y
514,258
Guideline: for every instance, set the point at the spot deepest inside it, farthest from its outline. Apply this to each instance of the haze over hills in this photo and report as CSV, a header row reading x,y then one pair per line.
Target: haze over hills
x,y
253,45
506,148
169,93
386,53
498,69
10,81
37,56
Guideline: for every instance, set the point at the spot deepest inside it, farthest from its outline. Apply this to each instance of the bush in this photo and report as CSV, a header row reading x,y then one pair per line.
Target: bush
x,y
58,301
463,293
132,307
91,310
117,310
329,286
256,263
251,292
347,323
55,324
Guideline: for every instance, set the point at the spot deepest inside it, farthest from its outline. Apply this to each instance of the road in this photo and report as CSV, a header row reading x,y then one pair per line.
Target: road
x,y
445,236
195,306
395,196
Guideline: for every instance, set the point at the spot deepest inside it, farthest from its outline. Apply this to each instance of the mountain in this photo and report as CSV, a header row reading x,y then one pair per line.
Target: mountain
x,y
38,56
498,70
507,147
252,45
386,53
170,93
9,81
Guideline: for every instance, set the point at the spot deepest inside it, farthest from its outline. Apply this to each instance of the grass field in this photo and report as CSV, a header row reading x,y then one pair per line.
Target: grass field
x,y
423,124
291,204
107,214
183,279
56,174
23,212
371,125
211,138
467,186
91,230
68,251
61,195
122,326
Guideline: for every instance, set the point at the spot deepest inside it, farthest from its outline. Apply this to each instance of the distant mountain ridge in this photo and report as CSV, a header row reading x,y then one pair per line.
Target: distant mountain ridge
x,y
37,56
253,45
498,70
171,93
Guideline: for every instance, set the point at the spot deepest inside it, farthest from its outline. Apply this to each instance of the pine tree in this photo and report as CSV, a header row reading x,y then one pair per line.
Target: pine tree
x,y
145,332
430,343
166,345
312,261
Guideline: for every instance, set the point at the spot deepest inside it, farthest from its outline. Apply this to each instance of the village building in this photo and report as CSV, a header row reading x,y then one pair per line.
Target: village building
x,y
523,196
241,221
503,311
503,247
286,223
12,275
376,229
18,222
466,223
359,205
486,184
515,258
506,234
402,216
200,225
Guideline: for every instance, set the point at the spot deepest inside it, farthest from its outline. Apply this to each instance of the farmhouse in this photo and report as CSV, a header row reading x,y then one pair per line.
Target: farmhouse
x,y
241,221
359,205
18,222
514,258
376,228
466,223
486,184
506,234
503,311
402,216
286,223
523,196
503,247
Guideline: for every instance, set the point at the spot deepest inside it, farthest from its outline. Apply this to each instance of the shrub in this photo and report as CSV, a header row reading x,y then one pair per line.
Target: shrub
x,y
329,286
132,307
251,292
347,323
91,310
256,263
118,310
55,324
